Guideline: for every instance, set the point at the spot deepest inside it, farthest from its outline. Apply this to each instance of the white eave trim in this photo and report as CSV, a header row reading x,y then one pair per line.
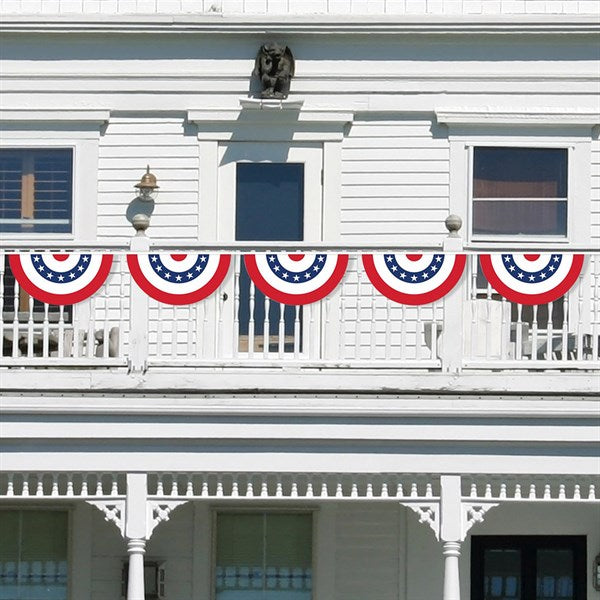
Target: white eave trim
x,y
302,24
54,116
530,116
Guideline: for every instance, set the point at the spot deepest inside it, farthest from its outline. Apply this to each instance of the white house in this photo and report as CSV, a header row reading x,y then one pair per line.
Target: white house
x,y
354,448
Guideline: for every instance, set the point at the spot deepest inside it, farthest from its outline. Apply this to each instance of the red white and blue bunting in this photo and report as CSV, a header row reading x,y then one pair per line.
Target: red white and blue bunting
x,y
414,278
531,278
178,278
60,278
296,278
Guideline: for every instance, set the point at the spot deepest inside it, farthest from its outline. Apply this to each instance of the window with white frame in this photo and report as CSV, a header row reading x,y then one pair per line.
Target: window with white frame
x,y
519,191
33,554
263,556
36,190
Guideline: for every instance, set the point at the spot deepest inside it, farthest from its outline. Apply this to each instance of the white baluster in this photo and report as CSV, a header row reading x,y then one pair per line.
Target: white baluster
x,y
577,492
174,486
70,490
339,491
419,334
532,495
519,335
249,489
488,490
534,334
324,490
518,495
281,331
189,489
550,335
279,489
25,488
369,493
547,493
562,494
84,485
266,328
99,490
219,492
414,492
61,331
359,313
502,490
399,491
234,488
46,332
473,490
40,485
15,340
29,327
264,489
592,492
204,492
236,305
354,490
403,333
294,492
296,331
251,320
384,490
428,491
10,489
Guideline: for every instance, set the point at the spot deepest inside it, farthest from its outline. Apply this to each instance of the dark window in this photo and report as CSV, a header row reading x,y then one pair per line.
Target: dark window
x,y
528,568
33,554
520,191
265,555
269,207
36,191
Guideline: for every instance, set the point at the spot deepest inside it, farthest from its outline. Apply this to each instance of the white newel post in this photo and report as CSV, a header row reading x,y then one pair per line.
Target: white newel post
x,y
138,313
451,347
451,533
136,533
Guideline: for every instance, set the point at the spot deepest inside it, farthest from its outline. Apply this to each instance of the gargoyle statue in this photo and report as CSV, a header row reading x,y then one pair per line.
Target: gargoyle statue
x,y
275,68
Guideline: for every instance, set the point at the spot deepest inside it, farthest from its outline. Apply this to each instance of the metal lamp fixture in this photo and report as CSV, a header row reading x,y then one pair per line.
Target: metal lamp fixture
x,y
147,186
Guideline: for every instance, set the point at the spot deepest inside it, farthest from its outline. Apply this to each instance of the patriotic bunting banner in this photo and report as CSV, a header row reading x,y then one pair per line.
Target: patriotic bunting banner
x,y
178,278
60,278
414,278
296,278
531,278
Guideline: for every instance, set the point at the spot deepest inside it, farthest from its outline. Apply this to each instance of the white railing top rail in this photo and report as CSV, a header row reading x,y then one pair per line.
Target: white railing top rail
x,y
286,246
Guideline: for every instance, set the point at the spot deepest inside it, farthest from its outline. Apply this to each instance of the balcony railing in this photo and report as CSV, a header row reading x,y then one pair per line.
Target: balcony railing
x,y
355,326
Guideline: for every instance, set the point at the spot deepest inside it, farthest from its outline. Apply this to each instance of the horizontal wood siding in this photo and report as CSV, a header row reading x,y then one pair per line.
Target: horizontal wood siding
x,y
367,560
127,146
595,192
395,182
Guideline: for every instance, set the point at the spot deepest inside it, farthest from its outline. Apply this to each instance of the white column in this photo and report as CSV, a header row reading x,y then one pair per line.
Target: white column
x,y
135,582
451,533
451,551
136,532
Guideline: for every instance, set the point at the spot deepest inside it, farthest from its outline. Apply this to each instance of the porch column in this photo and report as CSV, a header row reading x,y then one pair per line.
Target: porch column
x,y
135,581
136,533
451,533
451,552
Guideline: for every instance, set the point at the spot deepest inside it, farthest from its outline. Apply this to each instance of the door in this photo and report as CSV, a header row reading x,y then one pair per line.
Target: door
x,y
269,192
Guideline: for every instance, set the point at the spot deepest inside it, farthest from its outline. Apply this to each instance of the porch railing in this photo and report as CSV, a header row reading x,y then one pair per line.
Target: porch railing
x,y
355,326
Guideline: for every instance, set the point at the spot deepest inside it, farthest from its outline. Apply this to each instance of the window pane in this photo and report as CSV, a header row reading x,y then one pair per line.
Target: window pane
x,y
264,557
269,201
554,574
36,190
520,173
504,217
502,574
39,568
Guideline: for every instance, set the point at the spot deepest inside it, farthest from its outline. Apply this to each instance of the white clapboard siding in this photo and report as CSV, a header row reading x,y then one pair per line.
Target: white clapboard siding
x,y
395,181
595,192
127,146
366,558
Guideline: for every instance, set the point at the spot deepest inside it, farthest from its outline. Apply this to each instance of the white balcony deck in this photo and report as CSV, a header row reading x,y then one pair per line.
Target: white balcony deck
x,y
353,331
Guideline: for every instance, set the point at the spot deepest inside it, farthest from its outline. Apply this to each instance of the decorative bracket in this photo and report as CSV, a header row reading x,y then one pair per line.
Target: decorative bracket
x,y
474,512
428,512
160,511
114,512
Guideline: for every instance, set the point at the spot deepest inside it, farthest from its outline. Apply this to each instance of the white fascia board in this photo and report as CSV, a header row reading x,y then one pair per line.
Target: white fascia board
x,y
305,24
350,407
527,116
76,115
268,111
